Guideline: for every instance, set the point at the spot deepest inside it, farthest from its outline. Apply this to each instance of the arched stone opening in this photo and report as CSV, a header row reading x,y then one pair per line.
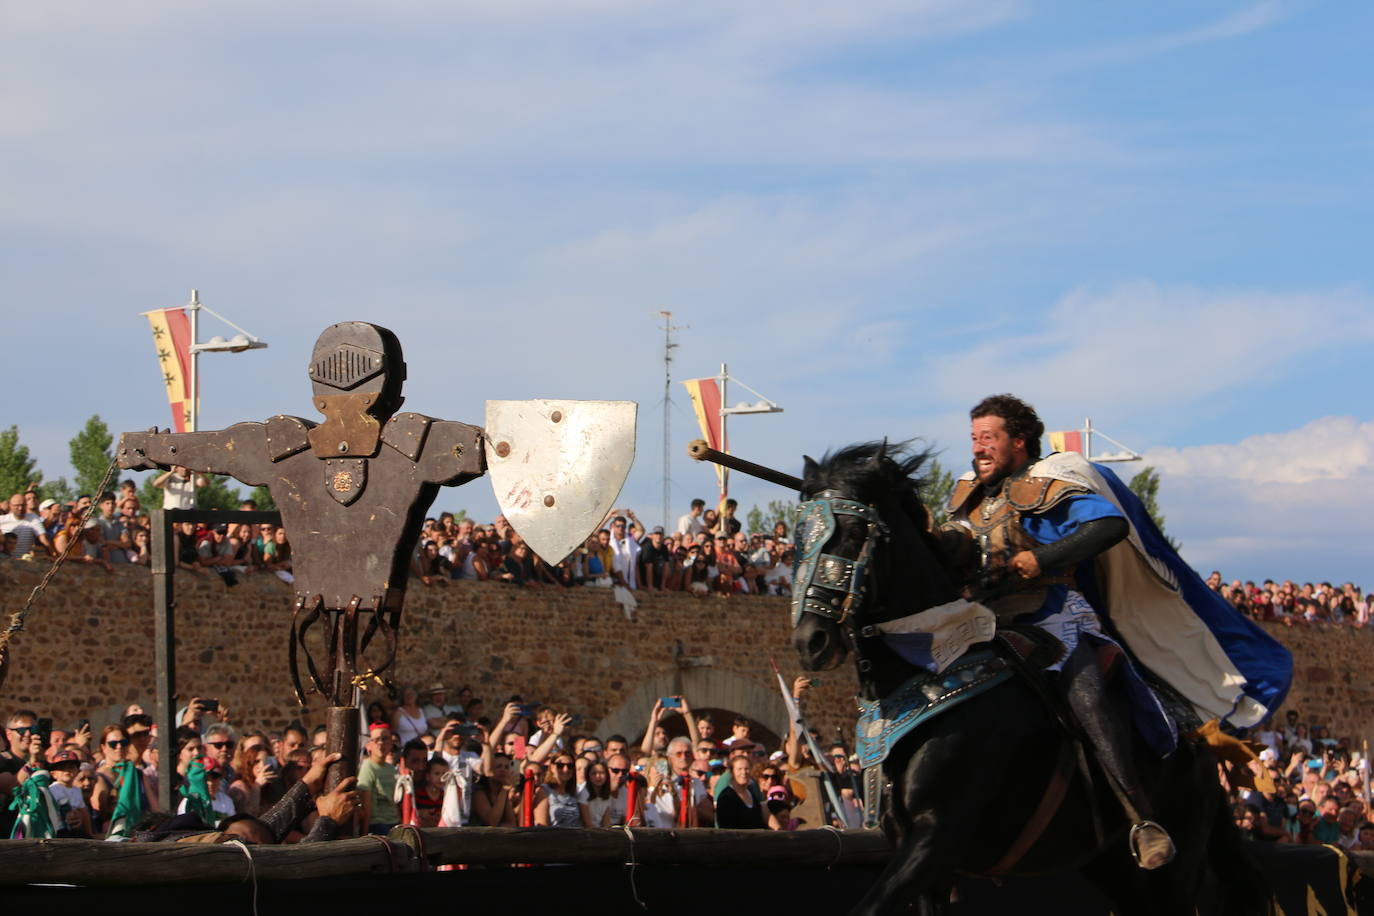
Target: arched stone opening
x,y
722,693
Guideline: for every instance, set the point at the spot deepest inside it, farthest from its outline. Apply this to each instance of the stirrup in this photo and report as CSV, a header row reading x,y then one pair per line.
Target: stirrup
x,y
1136,830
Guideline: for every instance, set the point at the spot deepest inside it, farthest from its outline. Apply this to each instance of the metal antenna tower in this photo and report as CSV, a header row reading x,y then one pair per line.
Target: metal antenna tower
x,y
668,347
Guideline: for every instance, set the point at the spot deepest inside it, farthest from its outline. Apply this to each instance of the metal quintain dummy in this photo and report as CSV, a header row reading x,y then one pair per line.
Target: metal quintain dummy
x,y
353,490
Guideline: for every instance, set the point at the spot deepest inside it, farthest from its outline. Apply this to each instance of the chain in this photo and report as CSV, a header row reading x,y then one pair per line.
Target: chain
x,y
17,619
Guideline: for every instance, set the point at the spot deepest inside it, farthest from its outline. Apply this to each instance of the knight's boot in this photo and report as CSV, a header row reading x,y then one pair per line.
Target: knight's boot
x,y
1149,842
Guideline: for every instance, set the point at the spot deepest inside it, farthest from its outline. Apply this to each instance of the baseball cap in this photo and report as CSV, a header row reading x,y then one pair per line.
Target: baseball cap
x,y
658,529
64,757
47,504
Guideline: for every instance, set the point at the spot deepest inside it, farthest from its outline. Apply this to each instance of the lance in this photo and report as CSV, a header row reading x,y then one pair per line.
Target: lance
x,y
699,450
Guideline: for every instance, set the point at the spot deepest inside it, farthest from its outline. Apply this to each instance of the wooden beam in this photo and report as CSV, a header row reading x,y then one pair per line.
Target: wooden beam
x,y
646,846
163,550
97,863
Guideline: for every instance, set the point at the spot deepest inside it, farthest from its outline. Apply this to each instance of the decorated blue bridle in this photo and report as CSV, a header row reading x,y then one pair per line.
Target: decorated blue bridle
x,y
823,583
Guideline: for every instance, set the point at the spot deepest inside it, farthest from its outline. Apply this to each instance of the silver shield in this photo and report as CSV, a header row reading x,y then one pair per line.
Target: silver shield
x,y
557,467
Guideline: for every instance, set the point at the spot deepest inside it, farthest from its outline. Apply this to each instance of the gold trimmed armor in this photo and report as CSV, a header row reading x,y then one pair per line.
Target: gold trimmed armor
x,y
993,520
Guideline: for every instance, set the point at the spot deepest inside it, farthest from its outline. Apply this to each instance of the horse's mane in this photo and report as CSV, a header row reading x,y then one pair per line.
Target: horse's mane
x,y
868,470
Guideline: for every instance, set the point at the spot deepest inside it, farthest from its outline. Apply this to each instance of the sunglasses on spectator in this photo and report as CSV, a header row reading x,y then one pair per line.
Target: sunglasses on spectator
x,y
25,730
220,743
619,771
772,775
563,764
121,742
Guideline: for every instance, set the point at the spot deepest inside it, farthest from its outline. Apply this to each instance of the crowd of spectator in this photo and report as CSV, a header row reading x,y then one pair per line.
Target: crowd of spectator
x,y
1316,791
707,554
433,758
1295,604
118,532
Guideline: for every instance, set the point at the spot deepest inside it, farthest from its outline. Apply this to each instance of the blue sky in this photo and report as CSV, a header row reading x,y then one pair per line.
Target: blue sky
x,y
1154,216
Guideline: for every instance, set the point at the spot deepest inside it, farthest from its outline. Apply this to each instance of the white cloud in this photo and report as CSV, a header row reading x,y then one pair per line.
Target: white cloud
x,y
1329,448
1294,504
1143,345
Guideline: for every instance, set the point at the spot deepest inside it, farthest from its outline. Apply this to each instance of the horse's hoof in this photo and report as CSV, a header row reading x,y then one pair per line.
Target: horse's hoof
x,y
1151,846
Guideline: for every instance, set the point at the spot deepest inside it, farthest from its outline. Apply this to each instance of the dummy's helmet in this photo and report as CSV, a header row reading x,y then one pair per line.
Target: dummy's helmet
x,y
354,357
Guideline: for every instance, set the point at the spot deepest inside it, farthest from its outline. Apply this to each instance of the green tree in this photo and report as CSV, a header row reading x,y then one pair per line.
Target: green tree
x,y
59,489
91,455
1146,486
17,469
263,497
217,494
149,496
763,520
936,487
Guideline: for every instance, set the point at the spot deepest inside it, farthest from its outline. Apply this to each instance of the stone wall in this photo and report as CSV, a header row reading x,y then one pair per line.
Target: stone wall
x,y
88,650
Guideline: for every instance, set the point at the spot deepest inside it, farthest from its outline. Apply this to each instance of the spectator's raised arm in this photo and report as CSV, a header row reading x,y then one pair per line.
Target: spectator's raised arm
x,y
647,745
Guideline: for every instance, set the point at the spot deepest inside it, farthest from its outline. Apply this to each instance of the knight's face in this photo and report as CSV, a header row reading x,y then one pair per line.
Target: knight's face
x,y
995,453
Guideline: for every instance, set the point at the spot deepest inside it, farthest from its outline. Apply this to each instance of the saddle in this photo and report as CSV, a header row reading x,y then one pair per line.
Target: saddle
x,y
1027,651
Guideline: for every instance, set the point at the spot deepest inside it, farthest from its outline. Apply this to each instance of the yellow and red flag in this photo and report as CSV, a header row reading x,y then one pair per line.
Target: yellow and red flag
x,y
1069,440
172,338
705,394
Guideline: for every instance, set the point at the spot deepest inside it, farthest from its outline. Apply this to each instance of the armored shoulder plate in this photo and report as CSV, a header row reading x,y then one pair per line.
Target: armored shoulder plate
x,y
406,433
959,498
1037,494
286,436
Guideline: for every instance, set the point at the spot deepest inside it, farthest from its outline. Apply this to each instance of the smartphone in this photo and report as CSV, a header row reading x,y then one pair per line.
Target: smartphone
x,y
575,720
84,723
467,731
815,682
518,752
670,702
209,705
45,731
526,709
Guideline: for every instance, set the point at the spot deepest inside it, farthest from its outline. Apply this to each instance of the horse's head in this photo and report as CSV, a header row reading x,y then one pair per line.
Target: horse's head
x,y
864,552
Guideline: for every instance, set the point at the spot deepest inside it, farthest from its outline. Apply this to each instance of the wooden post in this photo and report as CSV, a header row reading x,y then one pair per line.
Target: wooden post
x,y
163,560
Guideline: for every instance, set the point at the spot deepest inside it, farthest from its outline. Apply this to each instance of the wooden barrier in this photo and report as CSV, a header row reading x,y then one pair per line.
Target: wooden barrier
x,y
95,863
754,849
98,863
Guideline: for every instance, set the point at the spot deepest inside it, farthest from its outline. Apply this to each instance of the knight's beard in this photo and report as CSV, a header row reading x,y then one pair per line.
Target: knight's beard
x,y
999,474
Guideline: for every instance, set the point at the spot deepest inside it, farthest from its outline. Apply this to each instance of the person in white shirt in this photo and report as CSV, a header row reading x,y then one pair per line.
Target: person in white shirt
x,y
691,523
26,526
179,487
624,555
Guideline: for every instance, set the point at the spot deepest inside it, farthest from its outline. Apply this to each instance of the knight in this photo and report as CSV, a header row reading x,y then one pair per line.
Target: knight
x,y
352,491
1061,544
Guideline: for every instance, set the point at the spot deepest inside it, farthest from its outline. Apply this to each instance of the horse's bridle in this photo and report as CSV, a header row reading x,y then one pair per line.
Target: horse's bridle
x,y
823,583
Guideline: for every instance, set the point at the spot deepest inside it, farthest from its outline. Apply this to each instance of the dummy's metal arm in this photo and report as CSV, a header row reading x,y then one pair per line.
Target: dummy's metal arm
x,y
453,453
239,451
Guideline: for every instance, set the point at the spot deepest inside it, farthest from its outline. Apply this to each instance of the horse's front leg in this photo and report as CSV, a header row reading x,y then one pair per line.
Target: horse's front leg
x,y
917,871
930,827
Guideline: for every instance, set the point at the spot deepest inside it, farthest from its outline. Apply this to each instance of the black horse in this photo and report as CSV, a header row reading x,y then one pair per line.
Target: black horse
x,y
965,784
